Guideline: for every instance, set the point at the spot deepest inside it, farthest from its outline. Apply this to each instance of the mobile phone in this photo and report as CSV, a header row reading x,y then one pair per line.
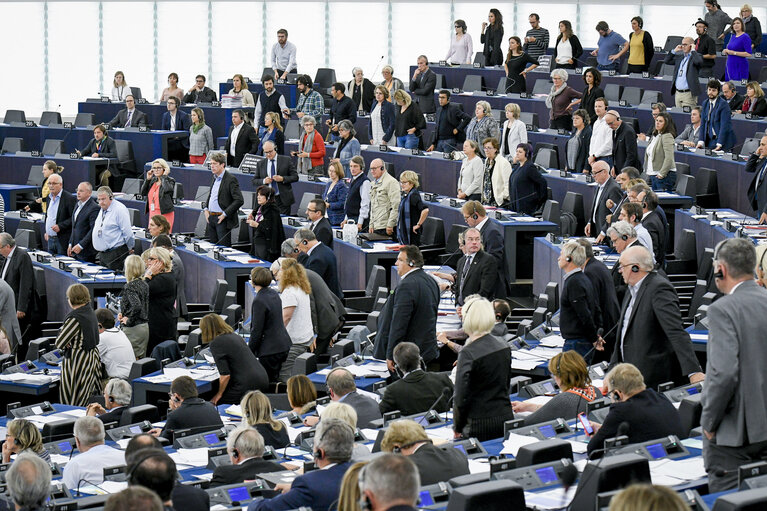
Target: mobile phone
x,y
587,428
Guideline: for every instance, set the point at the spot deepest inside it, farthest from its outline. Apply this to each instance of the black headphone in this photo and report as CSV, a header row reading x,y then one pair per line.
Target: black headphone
x,y
644,205
111,399
761,260
475,216
132,470
615,396
568,259
625,237
718,275
304,242
635,268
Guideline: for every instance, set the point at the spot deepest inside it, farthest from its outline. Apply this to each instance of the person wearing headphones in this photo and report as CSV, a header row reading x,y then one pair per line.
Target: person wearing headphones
x,y
318,489
115,349
579,313
608,191
137,497
187,409
269,339
390,482
320,259
637,411
154,469
527,188
417,389
342,388
87,468
493,243
734,402
650,334
245,447
117,398
23,437
112,233
632,212
29,482
624,143
656,227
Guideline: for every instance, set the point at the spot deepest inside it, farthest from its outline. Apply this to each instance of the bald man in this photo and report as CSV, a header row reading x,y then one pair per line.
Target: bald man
x,y
384,199
624,143
58,216
687,63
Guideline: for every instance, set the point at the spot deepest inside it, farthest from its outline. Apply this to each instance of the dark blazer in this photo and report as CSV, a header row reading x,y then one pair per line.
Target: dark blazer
x,y
327,309
387,119
229,198
179,272
693,68
453,116
480,280
617,278
655,339
277,439
189,498
366,90
493,241
437,464
587,102
337,200
67,203
194,412
602,281
317,490
245,471
285,168
527,189
138,119
234,359
324,232
423,91
167,188
414,315
754,165
270,233
206,95
412,117
625,148
760,108
113,415
736,102
577,49
82,229
268,335
493,49
718,121
366,408
654,225
20,276
183,121
649,416
582,158
108,148
416,392
612,191
247,143
322,261
579,308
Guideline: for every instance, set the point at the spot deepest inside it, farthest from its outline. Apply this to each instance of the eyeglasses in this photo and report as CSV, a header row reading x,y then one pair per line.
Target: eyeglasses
x,y
311,210
158,168
594,173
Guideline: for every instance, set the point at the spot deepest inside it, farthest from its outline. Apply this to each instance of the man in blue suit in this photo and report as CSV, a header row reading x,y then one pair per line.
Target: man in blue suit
x,y
716,120
320,258
177,120
83,219
318,489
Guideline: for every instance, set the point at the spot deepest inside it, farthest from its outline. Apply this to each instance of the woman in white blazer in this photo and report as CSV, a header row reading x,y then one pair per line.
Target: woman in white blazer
x,y
495,180
513,133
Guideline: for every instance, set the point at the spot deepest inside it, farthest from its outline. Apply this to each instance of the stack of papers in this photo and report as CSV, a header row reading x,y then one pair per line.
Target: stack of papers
x,y
191,457
235,410
512,444
552,341
31,379
551,499
104,488
672,472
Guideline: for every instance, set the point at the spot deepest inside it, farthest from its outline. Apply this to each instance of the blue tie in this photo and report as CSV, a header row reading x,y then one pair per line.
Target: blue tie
x,y
273,173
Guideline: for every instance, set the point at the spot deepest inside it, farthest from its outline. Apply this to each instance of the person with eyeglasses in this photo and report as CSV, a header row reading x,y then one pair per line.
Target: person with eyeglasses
x,y
320,226
279,173
129,117
159,189
687,62
112,233
162,296
608,189
461,46
199,93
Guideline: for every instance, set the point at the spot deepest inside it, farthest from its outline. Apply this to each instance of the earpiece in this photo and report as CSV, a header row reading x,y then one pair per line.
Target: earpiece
x,y
235,453
295,251
644,204
410,263
635,268
568,259
111,399
719,275
615,396
624,237
318,454
304,242
475,216
559,365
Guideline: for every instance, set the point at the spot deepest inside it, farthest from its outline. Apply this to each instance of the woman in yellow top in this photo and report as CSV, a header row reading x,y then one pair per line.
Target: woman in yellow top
x,y
641,49
40,205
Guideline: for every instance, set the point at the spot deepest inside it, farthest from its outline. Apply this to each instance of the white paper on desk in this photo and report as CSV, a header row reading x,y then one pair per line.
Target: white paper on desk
x,y
443,433
512,444
372,395
699,337
235,410
158,378
553,341
106,487
551,499
218,507
325,371
530,219
370,434
539,400
77,412
579,447
688,469
478,466
26,378
204,477
43,419
175,372
377,367
525,365
123,443
193,457
293,452
695,443
59,458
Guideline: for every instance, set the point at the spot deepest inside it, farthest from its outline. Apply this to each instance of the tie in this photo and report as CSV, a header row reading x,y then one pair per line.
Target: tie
x,y
464,273
697,43
272,173
127,121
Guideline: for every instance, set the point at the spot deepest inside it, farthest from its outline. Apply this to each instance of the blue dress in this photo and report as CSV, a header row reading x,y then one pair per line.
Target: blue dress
x,y
737,67
337,199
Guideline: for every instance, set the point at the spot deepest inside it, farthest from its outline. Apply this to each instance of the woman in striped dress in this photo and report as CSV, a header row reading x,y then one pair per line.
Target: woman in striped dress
x,y
78,339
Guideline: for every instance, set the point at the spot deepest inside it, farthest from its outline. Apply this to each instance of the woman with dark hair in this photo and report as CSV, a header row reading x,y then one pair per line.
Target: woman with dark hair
x,y
302,394
516,66
382,115
158,188
335,193
738,50
269,339
527,188
641,49
200,137
273,132
268,233
348,146
172,89
577,148
158,224
461,46
239,369
568,48
240,90
492,37
659,162
592,78
754,101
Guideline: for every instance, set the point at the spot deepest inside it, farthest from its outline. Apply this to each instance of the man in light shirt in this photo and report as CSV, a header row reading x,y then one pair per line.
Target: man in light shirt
x,y
87,468
601,147
283,55
112,233
114,347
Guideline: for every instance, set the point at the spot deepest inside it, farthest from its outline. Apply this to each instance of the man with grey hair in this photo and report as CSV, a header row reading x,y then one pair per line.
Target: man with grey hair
x,y
278,172
384,200
734,98
112,233
29,481
342,388
624,142
477,270
390,481
320,259
579,314
318,489
289,249
245,447
622,236
608,190
734,416
58,215
422,85
117,398
88,466
19,301
650,334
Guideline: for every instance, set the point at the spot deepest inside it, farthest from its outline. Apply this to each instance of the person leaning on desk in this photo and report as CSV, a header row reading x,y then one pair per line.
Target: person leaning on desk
x,y
187,409
101,146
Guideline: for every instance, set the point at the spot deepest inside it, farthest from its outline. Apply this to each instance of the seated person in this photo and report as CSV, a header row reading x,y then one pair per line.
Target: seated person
x,y
347,414
647,414
302,394
572,377
117,398
29,483
187,409
23,437
318,489
500,330
257,413
341,387
417,389
245,447
115,349
434,463
88,466
154,469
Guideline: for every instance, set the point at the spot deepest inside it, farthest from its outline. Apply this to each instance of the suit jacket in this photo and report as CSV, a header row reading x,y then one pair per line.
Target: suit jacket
x,y
113,415
437,464
689,134
493,241
322,261
760,107
527,189
206,95
734,399
612,190
453,116
366,408
189,498
719,121
245,471
625,148
179,272
423,91
167,189
655,339
324,232
108,148
327,309
21,277
736,102
229,198
618,282
247,143
414,315
582,158
693,68
757,196
82,229
183,121
416,392
607,298
138,119
287,170
67,203
8,314
317,490
481,278
194,412
657,230
268,335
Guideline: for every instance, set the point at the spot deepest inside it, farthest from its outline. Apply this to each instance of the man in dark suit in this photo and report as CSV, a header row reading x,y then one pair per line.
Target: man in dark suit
x,y
622,236
391,482
224,202
129,117
417,389
279,172
602,281
100,146
654,225
608,189
650,334
199,92
475,215
117,399
733,97
341,387
245,448
716,120
637,411
58,216
321,259
451,122
242,140
422,86
579,314
177,120
477,270
318,489
685,85
757,190
18,273
320,225
83,219
187,409
624,143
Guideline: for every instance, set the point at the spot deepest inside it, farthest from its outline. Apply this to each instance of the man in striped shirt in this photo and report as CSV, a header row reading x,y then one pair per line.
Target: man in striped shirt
x,y
537,38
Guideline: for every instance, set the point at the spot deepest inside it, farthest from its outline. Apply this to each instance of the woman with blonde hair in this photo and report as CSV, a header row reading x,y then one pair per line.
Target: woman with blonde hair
x,y
391,83
23,436
482,126
158,188
346,413
134,305
240,90
754,102
349,494
409,121
257,413
273,133
647,497
296,311
412,211
200,137
120,87
302,394
514,131
162,296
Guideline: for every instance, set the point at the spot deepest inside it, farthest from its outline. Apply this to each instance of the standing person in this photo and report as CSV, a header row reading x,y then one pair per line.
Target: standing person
x,y
242,140
39,205
625,152
641,49
516,66
384,199
269,339
112,233
451,120
60,205
606,295
706,47
120,87
734,417
296,312
607,189
8,317
659,162
360,90
567,49
162,295
687,66
610,48
172,90
272,132
310,102
472,171
738,50
159,188
335,193
78,338
176,120
389,82
492,37
134,306
279,173
476,270
412,211
483,125
269,100
422,86
18,273
320,226
357,205
513,132
751,25
591,92
224,202
580,316
409,122
537,38
267,230
561,100
200,137
757,191
717,20
382,115
83,219
114,347
342,108
577,149
199,93
475,215
178,271
283,56
716,120
348,146
461,46
311,149
495,181
527,188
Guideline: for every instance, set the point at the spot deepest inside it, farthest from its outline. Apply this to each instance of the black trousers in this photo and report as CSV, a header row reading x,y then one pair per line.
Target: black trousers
x,y
115,258
272,364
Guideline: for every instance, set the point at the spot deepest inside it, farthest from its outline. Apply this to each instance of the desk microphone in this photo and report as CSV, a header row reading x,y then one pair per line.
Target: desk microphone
x,y
445,394
568,476
600,333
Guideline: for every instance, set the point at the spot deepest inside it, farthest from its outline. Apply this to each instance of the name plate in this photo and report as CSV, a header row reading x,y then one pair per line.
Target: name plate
x,y
490,92
749,115
143,129
105,99
447,156
327,111
456,90
524,95
687,109
142,101
611,72
443,63
281,81
36,153
383,148
562,131
758,54
477,65
579,70
658,49
175,163
709,152
623,102
744,82
645,74
30,124
68,124
215,103
72,156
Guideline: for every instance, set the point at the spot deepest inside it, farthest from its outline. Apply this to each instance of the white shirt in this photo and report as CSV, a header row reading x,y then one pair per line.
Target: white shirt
x,y
88,467
564,51
116,352
601,139
233,138
8,262
299,327
735,287
643,235
633,290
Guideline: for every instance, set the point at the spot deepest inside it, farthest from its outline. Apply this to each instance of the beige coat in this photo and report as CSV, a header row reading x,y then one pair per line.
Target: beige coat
x,y
384,202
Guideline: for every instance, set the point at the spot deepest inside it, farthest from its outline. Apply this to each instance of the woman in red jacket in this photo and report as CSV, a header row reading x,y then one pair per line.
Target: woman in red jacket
x,y
311,149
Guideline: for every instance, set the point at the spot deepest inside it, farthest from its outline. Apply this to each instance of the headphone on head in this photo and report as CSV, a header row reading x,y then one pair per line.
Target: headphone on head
x,y
635,268
410,263
304,242
625,237
559,366
137,464
568,259
475,216
718,274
